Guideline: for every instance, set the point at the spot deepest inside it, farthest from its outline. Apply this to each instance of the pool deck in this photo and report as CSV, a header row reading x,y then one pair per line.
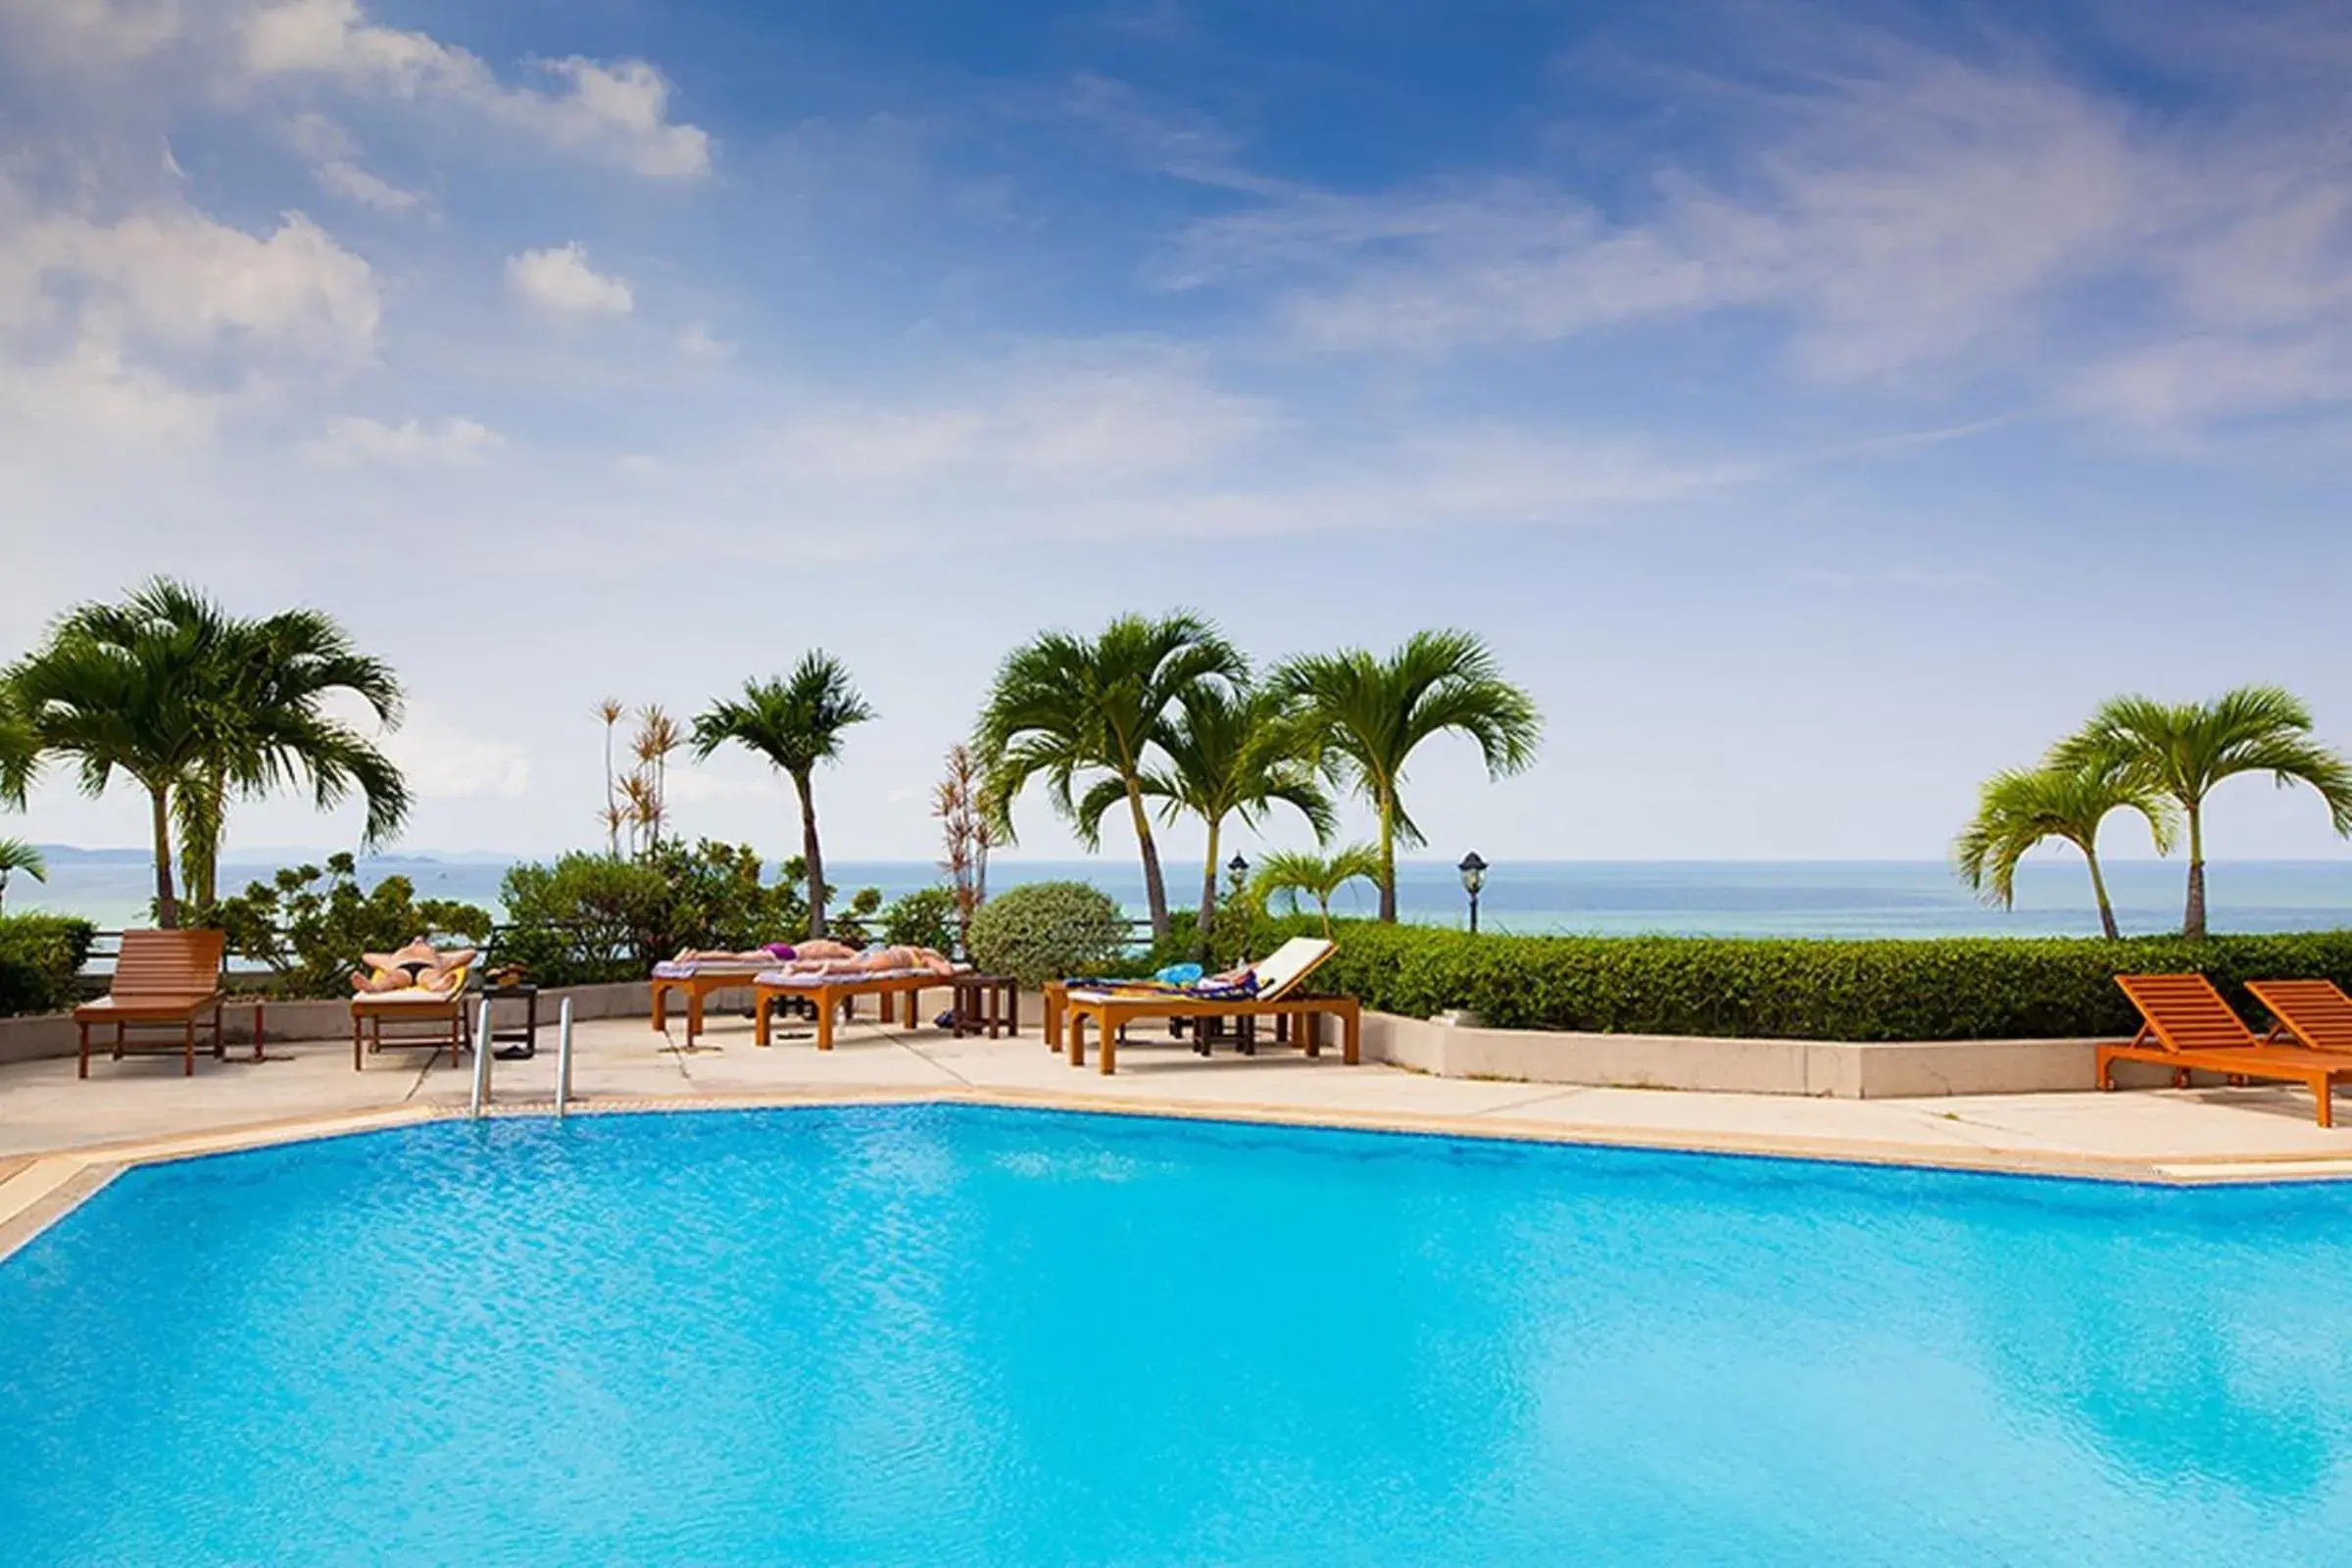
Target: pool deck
x,y
61,1137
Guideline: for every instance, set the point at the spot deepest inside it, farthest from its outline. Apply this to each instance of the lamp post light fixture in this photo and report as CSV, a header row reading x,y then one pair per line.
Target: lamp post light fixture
x,y
1238,866
1474,877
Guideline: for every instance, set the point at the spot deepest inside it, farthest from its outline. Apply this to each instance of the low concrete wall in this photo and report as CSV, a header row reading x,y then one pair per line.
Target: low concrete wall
x,y
51,1034
1838,1069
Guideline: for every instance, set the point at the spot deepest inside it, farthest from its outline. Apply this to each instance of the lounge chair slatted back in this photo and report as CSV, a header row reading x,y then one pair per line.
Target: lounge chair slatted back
x,y
1286,967
2316,1013
2184,1012
173,964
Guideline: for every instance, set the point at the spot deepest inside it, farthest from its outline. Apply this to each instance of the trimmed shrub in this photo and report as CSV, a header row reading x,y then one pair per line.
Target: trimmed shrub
x,y
1048,931
1950,989
40,961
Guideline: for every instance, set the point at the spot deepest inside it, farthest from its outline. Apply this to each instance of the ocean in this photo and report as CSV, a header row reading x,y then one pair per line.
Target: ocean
x,y
1784,898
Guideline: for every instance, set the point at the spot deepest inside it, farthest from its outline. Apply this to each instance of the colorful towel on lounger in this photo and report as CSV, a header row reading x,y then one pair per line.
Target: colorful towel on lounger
x,y
784,977
1212,988
673,969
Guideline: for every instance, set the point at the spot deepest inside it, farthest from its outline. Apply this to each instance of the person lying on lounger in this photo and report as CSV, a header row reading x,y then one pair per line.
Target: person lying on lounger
x,y
417,967
882,960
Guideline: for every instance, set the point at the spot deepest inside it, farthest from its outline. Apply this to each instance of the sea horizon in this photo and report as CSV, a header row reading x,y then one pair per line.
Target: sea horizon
x,y
1820,898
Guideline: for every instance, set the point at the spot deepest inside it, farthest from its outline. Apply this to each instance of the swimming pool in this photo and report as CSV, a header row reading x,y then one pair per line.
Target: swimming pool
x,y
957,1334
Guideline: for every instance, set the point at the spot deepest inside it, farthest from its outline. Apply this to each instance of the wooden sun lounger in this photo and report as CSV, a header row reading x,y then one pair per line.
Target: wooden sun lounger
x,y
2186,1026
162,978
448,1010
2314,1014
1069,1008
833,995
697,987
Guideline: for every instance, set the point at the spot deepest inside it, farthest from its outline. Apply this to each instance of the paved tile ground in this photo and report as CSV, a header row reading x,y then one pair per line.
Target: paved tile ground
x,y
2230,1133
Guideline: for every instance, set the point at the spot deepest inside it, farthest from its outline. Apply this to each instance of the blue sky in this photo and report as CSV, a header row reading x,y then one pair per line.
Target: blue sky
x,y
1818,406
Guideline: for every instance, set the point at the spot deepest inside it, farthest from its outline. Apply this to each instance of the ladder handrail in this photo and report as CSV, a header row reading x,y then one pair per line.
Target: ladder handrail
x,y
563,1058
481,1061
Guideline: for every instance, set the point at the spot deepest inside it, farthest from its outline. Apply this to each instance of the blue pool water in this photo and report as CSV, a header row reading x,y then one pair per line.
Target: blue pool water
x,y
946,1335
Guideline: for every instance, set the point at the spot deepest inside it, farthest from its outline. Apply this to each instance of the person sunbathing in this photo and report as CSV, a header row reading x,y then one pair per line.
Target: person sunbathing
x,y
882,960
418,966
725,955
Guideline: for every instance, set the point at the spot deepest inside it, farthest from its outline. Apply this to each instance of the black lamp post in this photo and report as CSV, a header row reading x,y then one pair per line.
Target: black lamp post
x,y
1474,877
1238,866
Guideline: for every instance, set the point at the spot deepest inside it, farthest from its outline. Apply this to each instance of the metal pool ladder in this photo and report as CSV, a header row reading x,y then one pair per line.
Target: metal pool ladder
x,y
482,1053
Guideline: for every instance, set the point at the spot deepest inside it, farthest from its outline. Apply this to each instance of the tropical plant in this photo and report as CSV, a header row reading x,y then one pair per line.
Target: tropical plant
x,y
200,707
311,923
967,834
926,917
1064,706
2182,750
18,856
1369,715
1231,751
1043,931
795,723
2019,809
610,710
1293,872
645,793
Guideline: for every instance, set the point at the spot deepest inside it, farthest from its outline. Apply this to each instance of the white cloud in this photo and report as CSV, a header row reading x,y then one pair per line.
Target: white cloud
x,y
443,761
149,324
1900,214
1059,415
335,165
453,442
559,281
619,110
697,343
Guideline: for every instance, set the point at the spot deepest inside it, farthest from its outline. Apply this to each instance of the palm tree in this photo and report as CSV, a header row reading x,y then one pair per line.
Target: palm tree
x,y
1064,706
1370,714
264,687
1231,751
2019,809
2182,750
201,707
796,724
135,708
19,747
1320,877
18,856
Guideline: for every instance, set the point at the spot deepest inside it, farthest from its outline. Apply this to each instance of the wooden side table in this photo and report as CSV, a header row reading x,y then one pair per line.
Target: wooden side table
x,y
987,1001
519,1044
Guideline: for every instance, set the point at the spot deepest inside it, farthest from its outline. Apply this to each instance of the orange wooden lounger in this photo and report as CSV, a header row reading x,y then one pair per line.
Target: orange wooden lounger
x,y
2312,1013
2186,1026
836,995
161,978
1280,975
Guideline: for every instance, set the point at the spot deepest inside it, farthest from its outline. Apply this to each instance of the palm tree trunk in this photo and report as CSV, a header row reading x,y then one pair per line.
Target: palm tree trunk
x,y
2192,920
1387,857
2098,886
167,900
1155,888
804,786
1208,878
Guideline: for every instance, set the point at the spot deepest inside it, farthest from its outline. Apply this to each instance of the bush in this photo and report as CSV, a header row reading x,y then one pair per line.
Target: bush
x,y
40,961
1048,931
309,924
923,918
591,918
1954,989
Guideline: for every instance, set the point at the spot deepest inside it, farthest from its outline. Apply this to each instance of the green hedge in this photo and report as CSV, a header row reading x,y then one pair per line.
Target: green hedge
x,y
40,958
1953,989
